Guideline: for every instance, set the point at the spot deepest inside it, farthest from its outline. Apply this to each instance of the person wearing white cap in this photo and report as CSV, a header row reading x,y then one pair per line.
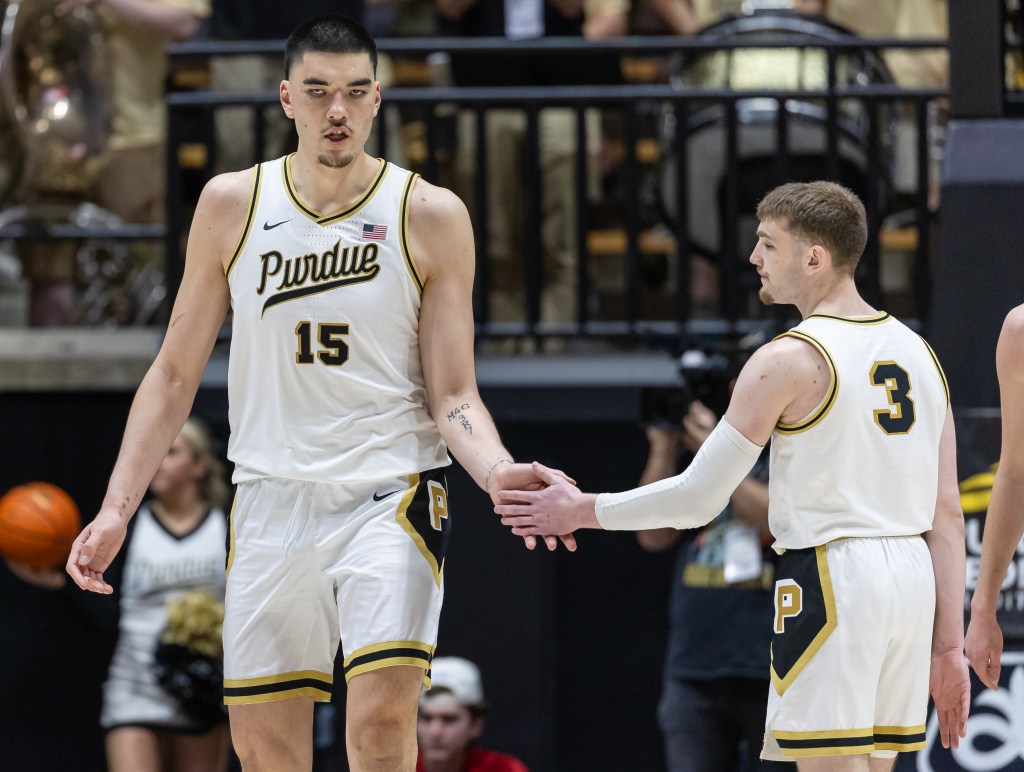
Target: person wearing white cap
x,y
451,719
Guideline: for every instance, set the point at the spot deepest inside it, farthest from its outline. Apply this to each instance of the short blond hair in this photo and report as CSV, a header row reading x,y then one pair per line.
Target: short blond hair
x,y
822,213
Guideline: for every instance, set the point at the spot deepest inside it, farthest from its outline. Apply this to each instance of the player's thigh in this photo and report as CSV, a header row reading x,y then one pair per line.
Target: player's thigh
x,y
207,752
269,730
134,749
280,615
388,570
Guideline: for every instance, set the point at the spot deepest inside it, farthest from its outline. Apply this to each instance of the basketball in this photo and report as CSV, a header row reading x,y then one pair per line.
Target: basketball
x,y
38,523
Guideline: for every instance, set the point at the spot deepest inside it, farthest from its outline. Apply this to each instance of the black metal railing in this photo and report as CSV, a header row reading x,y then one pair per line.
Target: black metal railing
x,y
874,105
631,103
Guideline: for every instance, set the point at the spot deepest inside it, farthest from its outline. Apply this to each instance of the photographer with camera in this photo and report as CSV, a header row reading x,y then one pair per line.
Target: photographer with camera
x,y
715,685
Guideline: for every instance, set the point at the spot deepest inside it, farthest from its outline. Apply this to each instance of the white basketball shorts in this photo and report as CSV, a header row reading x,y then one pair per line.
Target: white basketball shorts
x,y
312,562
851,649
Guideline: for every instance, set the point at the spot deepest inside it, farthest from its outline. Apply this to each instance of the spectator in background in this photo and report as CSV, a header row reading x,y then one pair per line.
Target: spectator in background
x,y
176,544
715,690
505,134
131,183
451,720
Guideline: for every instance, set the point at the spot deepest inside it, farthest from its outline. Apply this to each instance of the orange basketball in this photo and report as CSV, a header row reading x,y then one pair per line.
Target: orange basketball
x,y
38,523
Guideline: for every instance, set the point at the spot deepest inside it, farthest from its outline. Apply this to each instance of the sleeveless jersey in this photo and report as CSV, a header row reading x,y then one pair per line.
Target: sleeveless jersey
x,y
324,377
864,463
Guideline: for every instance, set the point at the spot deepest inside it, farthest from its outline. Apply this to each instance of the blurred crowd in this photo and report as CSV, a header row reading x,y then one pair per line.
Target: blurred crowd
x,y
98,160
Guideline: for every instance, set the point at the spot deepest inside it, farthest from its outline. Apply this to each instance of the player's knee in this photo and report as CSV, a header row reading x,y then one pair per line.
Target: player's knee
x,y
266,748
381,733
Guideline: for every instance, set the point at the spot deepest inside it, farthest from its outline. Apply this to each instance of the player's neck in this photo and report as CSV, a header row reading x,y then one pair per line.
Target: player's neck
x,y
327,189
839,298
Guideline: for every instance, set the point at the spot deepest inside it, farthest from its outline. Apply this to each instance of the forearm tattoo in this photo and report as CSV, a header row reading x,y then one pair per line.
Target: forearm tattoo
x,y
459,414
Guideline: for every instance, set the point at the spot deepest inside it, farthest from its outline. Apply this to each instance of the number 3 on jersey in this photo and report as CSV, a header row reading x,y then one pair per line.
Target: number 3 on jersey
x,y
334,350
899,417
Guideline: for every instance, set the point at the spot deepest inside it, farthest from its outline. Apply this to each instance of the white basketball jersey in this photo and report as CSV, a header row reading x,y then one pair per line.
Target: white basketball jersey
x,y
324,379
864,463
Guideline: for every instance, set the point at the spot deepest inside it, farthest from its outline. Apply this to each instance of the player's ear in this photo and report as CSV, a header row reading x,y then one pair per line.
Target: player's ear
x,y
376,97
286,99
817,257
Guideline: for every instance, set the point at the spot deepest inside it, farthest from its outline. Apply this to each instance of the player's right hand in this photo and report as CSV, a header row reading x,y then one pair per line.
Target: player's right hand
x,y
984,647
95,548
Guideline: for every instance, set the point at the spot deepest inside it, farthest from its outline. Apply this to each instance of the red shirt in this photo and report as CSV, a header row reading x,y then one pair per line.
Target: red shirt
x,y
480,760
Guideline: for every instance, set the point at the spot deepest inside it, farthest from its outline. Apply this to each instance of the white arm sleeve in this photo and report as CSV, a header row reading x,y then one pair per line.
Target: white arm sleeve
x,y
688,500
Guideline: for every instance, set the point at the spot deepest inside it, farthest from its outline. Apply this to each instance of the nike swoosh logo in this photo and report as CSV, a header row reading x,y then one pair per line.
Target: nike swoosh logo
x,y
384,496
268,227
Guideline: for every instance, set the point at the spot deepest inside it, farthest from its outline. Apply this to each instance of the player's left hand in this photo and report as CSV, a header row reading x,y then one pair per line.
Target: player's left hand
x,y
949,685
525,477
984,647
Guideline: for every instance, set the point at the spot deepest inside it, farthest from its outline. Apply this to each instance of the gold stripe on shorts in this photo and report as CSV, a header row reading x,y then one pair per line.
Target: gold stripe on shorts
x,y
837,742
389,654
282,686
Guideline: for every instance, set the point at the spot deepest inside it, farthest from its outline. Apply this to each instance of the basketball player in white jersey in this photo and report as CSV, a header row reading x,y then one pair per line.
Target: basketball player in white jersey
x,y
351,375
869,615
1004,523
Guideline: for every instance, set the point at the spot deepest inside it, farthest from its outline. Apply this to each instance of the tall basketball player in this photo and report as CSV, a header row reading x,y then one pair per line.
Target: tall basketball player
x,y
351,375
1004,523
868,614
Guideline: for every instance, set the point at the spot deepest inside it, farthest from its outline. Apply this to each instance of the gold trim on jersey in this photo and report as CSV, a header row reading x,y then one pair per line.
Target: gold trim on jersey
x,y
403,230
817,415
835,734
318,695
942,374
781,684
281,686
389,654
842,742
837,742
900,738
403,521
254,199
328,219
879,318
231,537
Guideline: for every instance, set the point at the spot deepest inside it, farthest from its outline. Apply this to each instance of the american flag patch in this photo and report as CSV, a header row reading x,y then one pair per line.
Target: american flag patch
x,y
375,232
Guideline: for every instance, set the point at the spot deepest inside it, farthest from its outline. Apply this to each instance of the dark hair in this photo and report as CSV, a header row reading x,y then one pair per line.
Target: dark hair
x,y
823,213
329,34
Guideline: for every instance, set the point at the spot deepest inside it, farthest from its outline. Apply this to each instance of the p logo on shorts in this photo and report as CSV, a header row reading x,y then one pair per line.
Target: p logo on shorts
x,y
423,514
789,602
438,504
805,612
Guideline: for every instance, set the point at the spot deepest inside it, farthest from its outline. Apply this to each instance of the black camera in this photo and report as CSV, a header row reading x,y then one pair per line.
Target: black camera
x,y
704,376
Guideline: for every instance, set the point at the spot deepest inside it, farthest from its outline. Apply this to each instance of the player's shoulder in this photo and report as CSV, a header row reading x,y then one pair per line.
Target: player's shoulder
x,y
1010,349
433,205
229,189
786,363
794,349
1014,324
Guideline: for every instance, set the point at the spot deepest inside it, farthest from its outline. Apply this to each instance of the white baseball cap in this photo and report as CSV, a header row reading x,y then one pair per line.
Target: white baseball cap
x,y
460,677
